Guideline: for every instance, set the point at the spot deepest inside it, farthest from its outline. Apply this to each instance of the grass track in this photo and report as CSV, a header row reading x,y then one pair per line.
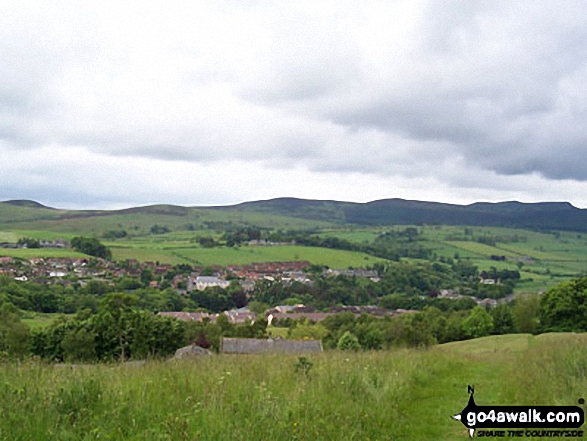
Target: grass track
x,y
393,395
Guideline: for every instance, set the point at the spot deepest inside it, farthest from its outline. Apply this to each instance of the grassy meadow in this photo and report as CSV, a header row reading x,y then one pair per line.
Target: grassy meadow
x,y
224,256
389,395
546,258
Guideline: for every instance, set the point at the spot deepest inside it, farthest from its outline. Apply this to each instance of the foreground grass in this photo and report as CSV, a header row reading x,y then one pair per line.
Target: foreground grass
x,y
403,394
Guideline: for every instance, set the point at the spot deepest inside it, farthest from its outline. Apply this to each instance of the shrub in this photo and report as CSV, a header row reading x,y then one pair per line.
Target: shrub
x,y
348,342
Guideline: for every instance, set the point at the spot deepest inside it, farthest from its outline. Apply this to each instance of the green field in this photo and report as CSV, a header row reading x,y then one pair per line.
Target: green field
x,y
245,255
39,320
546,258
389,395
140,223
8,236
543,258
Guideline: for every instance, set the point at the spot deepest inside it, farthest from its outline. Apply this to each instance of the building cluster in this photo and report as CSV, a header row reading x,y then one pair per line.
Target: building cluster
x,y
367,274
45,270
487,303
234,316
67,270
283,312
54,244
269,270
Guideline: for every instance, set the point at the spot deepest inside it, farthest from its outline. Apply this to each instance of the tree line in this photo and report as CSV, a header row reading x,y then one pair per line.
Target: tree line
x,y
121,329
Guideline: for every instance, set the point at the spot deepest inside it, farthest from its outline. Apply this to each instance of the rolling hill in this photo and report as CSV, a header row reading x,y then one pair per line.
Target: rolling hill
x,y
292,212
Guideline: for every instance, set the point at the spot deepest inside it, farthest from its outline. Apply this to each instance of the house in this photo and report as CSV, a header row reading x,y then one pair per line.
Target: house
x,y
287,308
162,269
239,316
367,274
187,316
487,303
59,243
247,285
310,316
267,346
202,282
297,276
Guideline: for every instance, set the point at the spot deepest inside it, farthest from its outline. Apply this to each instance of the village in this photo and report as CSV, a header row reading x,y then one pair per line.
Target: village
x,y
155,275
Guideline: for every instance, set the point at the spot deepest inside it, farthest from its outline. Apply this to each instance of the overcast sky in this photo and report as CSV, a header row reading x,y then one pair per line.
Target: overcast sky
x,y
114,104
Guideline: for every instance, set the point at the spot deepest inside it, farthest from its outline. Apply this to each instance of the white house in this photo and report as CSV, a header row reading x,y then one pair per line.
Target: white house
x,y
203,282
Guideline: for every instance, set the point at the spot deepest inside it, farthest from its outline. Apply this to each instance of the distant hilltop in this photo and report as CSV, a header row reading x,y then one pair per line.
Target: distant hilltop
x,y
541,215
26,203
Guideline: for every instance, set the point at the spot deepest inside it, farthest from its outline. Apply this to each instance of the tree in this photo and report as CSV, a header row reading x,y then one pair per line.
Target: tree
x,y
478,324
116,309
526,311
258,307
214,299
564,307
238,298
159,229
348,342
304,331
435,321
90,246
146,276
454,327
28,242
503,319
79,345
207,242
372,339
14,335
226,328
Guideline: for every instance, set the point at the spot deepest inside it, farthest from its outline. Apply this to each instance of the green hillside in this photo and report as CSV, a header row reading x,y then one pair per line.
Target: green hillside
x,y
138,221
544,215
26,211
287,212
387,395
171,234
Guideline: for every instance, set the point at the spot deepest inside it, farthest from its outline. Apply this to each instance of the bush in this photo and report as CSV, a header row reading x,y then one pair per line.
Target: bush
x,y
348,342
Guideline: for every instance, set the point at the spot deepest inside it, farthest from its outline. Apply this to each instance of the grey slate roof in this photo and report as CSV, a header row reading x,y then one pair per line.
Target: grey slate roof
x,y
262,346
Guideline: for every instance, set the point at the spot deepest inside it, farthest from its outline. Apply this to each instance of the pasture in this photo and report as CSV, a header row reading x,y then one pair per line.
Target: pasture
x,y
389,395
543,258
177,219
223,256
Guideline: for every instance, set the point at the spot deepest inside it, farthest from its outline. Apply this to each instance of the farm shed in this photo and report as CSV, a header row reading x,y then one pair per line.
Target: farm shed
x,y
264,346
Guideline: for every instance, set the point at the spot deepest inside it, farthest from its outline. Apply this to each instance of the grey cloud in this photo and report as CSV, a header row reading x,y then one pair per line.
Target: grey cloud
x,y
416,89
484,77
